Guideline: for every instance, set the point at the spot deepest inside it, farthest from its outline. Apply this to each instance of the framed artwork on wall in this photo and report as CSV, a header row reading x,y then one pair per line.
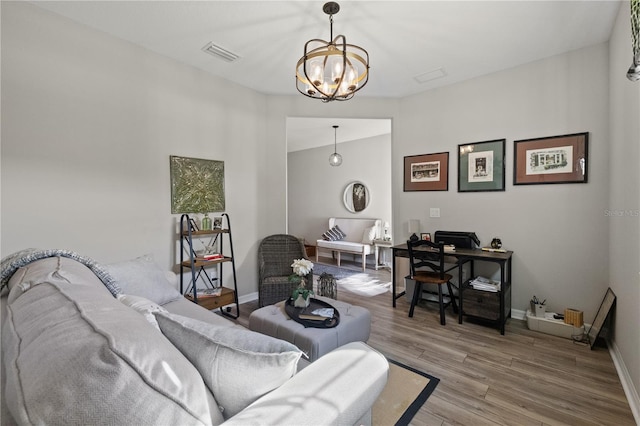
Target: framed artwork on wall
x,y
197,185
556,159
481,166
426,172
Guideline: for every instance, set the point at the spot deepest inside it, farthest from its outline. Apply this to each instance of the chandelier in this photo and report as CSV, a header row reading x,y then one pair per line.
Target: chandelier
x,y
332,70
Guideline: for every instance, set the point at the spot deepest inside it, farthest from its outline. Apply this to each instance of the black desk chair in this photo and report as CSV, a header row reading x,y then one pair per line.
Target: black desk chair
x,y
427,266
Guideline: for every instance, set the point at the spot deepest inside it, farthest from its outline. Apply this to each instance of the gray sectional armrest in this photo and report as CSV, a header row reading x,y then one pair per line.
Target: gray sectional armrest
x,y
324,393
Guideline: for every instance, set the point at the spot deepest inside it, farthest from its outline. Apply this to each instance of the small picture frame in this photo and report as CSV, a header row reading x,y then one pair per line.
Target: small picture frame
x,y
426,236
555,159
217,222
426,172
481,166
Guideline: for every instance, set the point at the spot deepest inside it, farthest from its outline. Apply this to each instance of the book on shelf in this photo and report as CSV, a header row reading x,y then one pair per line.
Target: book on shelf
x,y
485,284
209,292
210,256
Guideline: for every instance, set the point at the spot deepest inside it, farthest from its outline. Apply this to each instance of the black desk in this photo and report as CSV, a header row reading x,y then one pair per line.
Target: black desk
x,y
463,256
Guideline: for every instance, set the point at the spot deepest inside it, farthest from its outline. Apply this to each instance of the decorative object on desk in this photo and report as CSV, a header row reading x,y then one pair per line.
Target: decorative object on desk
x,y
556,159
481,166
217,222
301,295
197,185
496,243
425,236
387,237
327,286
426,172
413,228
206,222
356,197
538,307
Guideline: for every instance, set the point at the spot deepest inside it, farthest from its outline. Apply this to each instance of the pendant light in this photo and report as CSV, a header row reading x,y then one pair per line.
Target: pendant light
x,y
332,70
335,159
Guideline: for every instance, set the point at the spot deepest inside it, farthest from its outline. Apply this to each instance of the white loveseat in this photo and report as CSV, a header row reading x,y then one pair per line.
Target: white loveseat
x,y
358,239
72,353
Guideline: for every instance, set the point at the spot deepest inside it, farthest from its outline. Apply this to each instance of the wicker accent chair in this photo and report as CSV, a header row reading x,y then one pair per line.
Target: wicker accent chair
x,y
276,253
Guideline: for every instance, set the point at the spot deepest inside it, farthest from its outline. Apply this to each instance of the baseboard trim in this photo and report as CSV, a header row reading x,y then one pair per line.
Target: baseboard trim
x,y
625,378
248,297
518,314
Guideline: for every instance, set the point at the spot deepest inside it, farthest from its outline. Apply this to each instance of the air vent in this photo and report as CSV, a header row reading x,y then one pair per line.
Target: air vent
x,y
220,52
429,76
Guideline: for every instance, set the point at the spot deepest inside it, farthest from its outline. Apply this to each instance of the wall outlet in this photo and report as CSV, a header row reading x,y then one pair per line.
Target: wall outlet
x,y
434,212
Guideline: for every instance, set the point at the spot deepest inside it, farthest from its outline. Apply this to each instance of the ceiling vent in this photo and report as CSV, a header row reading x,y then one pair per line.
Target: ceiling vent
x,y
220,52
431,75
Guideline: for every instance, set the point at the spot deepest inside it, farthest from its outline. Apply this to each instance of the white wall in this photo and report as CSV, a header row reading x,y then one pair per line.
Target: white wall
x,y
557,232
315,188
89,122
624,200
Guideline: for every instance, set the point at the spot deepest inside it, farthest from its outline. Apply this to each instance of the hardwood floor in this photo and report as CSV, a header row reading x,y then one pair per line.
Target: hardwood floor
x,y
521,378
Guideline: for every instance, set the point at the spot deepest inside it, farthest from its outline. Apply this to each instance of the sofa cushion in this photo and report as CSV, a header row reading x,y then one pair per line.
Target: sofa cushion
x,y
75,355
143,277
143,306
220,353
346,246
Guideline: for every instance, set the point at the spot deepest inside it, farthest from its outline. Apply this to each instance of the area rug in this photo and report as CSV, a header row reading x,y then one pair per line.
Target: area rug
x,y
406,391
358,282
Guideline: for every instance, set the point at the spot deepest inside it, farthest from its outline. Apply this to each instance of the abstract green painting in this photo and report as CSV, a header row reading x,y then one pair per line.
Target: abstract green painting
x,y
197,185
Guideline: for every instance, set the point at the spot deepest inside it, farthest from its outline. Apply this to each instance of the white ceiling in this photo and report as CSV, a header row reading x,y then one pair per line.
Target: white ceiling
x,y
405,39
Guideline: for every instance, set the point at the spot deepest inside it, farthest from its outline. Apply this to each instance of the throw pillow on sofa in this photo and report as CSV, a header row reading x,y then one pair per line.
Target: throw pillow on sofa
x,y
219,353
143,277
369,235
334,234
144,306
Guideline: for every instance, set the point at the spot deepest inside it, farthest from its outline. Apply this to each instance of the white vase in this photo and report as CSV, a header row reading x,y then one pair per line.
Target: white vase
x,y
301,302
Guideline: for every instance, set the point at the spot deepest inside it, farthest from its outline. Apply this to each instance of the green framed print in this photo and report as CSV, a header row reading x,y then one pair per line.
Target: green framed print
x,y
481,166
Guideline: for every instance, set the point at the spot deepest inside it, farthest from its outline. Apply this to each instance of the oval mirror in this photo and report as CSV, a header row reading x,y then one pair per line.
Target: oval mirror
x,y
356,197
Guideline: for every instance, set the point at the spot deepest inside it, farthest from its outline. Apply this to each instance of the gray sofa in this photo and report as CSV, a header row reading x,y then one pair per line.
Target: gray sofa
x,y
72,353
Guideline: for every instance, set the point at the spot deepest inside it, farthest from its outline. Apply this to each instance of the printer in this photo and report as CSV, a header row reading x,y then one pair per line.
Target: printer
x,y
459,239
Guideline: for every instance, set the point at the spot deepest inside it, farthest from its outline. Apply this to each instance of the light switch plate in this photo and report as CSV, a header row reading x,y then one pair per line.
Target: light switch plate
x,y
434,212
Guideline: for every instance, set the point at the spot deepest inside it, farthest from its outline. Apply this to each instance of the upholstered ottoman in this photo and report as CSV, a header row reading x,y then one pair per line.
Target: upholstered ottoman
x,y
355,325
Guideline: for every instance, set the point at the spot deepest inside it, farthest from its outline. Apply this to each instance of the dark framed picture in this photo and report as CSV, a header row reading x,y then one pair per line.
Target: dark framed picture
x,y
426,172
556,159
481,166
425,236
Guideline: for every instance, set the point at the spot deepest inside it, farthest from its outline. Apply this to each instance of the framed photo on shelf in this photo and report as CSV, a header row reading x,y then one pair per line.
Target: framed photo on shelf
x,y
426,172
481,166
425,236
556,159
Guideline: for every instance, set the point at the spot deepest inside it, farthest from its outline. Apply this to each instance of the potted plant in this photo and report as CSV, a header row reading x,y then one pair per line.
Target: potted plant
x,y
301,295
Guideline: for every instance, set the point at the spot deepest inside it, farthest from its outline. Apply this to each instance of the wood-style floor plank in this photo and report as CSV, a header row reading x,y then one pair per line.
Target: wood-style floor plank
x,y
521,378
